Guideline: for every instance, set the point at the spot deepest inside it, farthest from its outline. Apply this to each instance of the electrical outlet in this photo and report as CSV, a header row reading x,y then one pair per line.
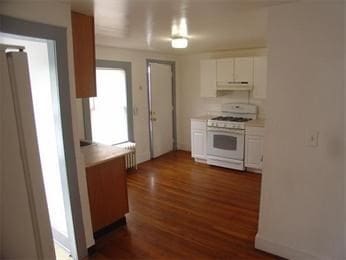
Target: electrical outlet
x,y
312,138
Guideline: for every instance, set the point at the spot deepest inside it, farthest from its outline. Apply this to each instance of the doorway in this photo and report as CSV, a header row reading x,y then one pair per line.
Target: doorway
x,y
162,112
43,81
47,60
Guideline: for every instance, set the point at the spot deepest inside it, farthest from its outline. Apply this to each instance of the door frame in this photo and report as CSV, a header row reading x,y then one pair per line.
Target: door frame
x,y
58,34
125,65
174,117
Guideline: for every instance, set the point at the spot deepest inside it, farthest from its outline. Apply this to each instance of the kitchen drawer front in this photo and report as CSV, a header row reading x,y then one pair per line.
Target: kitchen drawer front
x,y
198,125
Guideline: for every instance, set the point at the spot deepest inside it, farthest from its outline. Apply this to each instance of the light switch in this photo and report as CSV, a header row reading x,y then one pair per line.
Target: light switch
x,y
312,138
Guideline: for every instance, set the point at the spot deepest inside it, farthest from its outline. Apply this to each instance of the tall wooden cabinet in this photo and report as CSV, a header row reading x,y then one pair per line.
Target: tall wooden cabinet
x,y
84,55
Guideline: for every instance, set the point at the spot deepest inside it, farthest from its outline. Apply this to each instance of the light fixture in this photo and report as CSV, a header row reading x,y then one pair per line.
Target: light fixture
x,y
179,42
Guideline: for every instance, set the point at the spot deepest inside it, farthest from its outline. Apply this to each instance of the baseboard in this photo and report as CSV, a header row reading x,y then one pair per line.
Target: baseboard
x,y
282,250
249,169
115,225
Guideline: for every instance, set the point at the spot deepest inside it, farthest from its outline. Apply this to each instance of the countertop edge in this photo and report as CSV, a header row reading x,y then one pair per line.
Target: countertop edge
x,y
88,165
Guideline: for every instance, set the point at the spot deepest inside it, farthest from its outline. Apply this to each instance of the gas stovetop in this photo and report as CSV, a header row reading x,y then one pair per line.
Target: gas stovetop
x,y
231,119
228,122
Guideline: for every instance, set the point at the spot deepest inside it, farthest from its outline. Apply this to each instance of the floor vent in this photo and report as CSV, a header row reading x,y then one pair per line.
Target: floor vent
x,y
130,159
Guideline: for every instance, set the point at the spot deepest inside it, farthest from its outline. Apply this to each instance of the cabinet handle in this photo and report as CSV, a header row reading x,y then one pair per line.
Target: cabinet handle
x,y
262,158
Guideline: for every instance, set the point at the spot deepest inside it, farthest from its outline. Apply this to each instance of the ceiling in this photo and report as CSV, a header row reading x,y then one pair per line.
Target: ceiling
x,y
212,25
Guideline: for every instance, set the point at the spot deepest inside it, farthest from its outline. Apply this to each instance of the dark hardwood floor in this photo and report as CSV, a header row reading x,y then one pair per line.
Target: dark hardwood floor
x,y
180,209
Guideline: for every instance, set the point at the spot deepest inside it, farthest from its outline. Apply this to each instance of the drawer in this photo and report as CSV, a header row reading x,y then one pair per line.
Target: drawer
x,y
198,124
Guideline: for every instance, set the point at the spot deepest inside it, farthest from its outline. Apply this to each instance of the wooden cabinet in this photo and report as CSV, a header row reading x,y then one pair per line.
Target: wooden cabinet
x,y
84,55
254,141
107,190
208,78
199,140
260,77
233,70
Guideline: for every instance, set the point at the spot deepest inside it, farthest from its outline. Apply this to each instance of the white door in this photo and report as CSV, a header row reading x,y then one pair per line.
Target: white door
x,y
243,69
161,109
24,226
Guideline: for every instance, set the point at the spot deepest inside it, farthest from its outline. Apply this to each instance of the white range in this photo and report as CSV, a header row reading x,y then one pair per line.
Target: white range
x,y
226,135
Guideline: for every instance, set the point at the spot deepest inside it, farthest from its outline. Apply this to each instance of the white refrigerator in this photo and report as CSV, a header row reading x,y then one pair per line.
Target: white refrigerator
x,y
24,221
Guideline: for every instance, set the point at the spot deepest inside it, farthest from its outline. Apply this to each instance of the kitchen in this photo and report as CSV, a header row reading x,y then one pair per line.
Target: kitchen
x,y
292,129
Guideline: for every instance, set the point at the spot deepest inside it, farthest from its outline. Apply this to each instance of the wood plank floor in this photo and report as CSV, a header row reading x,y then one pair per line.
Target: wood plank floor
x,y
180,209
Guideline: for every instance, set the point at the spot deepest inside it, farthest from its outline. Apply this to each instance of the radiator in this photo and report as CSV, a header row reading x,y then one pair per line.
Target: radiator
x,y
130,158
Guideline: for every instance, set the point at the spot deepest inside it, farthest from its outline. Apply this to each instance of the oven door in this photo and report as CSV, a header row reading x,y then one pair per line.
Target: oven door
x,y
226,143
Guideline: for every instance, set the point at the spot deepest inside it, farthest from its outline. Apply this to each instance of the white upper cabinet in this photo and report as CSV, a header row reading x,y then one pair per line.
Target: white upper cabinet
x,y
260,77
208,78
234,74
225,70
243,70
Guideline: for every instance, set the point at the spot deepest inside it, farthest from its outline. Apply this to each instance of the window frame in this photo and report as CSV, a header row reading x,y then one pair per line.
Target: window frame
x,y
110,64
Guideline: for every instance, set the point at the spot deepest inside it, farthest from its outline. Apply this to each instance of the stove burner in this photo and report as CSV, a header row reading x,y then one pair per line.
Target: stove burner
x,y
231,118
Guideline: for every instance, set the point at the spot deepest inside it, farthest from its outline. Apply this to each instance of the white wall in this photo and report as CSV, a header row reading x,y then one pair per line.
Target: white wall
x,y
301,211
191,104
139,91
59,14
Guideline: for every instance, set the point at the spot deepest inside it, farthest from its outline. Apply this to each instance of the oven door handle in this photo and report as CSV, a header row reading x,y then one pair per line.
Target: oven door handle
x,y
228,131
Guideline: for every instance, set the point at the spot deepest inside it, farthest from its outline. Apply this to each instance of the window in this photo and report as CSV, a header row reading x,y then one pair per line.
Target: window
x,y
111,110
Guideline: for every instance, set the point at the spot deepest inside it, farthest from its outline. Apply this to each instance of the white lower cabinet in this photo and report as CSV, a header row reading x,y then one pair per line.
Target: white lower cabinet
x,y
199,140
254,141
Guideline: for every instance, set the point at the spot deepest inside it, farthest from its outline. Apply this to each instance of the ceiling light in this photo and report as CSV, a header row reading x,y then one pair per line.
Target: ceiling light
x,y
179,42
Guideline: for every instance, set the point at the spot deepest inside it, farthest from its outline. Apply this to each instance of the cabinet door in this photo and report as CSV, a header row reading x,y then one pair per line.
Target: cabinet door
x,y
198,144
243,69
260,77
208,78
107,190
225,70
84,55
254,151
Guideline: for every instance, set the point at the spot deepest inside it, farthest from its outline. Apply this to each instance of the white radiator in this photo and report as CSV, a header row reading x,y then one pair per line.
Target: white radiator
x,y
130,158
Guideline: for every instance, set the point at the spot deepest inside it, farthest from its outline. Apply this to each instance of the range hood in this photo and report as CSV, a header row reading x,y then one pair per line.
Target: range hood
x,y
234,85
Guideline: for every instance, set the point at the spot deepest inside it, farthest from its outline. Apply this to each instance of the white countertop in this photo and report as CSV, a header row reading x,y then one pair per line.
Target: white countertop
x,y
98,153
255,123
